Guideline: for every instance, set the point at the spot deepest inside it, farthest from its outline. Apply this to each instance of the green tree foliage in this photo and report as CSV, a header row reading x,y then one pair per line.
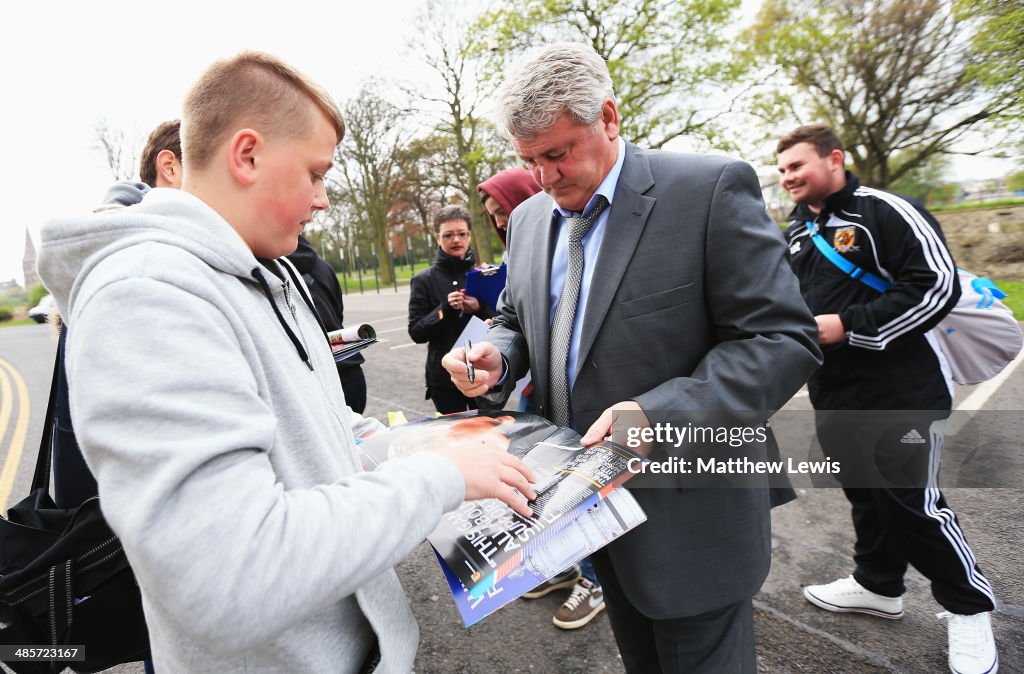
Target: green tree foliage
x,y
36,293
945,194
429,182
1015,182
892,77
370,161
998,43
925,182
669,59
453,99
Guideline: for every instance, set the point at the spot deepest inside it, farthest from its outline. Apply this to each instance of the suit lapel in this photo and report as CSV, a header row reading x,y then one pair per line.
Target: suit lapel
x,y
539,338
626,221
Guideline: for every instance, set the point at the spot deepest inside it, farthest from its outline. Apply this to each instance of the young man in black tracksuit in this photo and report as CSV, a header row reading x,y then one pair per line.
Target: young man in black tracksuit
x,y
884,391
439,308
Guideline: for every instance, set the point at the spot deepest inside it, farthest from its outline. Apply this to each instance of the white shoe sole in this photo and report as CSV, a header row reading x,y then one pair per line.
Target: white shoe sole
x,y
995,667
576,624
821,603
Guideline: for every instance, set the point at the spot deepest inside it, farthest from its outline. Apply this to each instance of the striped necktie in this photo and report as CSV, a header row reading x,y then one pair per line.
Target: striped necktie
x,y
565,315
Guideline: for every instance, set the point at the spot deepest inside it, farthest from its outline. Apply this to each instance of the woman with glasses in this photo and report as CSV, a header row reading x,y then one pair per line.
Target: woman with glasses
x,y
439,307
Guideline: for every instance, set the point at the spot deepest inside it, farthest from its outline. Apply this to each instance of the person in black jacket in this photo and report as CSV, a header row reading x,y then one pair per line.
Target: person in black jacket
x,y
883,394
439,308
159,166
326,291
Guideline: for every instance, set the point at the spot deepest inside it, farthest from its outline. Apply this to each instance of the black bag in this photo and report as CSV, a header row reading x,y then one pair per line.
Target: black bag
x,y
64,578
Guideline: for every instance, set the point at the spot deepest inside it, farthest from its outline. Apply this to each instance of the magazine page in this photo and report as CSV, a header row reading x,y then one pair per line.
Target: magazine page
x,y
593,529
483,541
343,351
521,431
350,341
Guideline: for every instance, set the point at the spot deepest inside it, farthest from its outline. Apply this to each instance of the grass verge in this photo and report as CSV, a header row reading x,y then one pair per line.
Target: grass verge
x,y
979,206
1014,296
23,321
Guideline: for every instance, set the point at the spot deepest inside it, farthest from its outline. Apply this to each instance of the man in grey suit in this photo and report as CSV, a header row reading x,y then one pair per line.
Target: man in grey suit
x,y
680,303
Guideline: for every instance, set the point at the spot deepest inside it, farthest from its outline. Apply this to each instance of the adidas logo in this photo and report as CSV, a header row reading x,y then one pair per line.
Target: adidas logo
x,y
913,438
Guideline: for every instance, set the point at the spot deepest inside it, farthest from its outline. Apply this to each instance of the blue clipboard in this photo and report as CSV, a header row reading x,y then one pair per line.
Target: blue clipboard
x,y
486,284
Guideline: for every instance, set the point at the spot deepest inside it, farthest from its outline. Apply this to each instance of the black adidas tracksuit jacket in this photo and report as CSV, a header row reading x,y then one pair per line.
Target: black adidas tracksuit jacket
x,y
886,362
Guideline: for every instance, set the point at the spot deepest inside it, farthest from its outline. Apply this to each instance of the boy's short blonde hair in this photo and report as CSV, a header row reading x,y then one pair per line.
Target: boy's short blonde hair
x,y
254,90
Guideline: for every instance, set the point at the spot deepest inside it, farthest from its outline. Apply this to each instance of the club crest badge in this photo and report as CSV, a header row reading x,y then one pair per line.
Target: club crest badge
x,y
845,239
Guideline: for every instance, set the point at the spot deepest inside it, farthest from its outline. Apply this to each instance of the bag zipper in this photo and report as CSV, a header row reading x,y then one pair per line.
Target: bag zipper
x,y
81,558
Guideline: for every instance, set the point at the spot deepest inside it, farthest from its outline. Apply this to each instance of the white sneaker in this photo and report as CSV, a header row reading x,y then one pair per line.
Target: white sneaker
x,y
848,596
972,648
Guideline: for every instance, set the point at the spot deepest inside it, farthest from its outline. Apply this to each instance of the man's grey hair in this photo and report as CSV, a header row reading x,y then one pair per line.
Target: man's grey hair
x,y
562,78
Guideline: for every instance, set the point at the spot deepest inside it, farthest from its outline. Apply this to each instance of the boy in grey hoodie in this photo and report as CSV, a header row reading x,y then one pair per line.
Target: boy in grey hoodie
x,y
208,407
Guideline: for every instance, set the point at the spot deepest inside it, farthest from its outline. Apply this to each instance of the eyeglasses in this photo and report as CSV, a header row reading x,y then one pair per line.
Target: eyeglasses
x,y
448,236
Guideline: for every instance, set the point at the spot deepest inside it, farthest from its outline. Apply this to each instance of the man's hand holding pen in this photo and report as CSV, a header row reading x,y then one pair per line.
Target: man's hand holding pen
x,y
487,368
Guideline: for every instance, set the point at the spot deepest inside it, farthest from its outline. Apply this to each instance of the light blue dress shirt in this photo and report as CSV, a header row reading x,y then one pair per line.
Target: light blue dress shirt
x,y
591,247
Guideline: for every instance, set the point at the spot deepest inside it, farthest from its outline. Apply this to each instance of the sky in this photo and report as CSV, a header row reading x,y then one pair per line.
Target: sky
x,y
67,65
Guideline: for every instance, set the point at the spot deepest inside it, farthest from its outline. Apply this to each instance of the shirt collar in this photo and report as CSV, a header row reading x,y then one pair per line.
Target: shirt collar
x,y
607,186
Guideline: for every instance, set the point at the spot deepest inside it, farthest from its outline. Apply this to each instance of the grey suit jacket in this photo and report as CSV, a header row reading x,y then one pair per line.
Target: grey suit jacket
x,y
692,308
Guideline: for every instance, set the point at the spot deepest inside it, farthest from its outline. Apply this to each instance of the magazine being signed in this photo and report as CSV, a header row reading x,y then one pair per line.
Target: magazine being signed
x,y
482,543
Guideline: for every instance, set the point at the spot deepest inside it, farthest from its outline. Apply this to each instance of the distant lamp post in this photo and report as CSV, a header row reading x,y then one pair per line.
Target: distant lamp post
x,y
391,262
344,268
376,273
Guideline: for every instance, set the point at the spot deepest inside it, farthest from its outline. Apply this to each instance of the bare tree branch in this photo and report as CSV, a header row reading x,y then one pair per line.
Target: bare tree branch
x,y
120,154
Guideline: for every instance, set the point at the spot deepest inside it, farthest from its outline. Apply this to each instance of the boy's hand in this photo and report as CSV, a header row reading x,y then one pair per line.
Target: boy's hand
x,y
491,472
487,368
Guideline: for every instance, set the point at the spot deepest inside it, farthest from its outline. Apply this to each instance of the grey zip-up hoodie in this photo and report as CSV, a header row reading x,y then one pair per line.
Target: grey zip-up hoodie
x,y
205,402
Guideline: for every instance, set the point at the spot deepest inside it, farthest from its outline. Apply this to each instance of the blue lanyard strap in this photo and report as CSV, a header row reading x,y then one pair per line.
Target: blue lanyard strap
x,y
847,267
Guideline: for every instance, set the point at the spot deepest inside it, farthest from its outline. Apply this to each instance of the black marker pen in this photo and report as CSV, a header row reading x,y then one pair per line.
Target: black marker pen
x,y
469,365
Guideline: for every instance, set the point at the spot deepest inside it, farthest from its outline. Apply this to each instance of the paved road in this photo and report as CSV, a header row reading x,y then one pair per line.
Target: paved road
x,y
812,540
26,366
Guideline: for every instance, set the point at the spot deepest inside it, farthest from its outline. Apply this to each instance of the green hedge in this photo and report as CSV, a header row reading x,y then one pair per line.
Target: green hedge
x,y
36,293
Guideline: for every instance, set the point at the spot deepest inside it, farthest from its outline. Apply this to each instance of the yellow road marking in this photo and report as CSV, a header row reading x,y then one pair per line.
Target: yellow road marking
x,y
17,444
6,403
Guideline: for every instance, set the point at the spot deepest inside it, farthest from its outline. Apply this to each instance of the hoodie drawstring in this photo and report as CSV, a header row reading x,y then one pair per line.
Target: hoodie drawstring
x,y
257,273
292,271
